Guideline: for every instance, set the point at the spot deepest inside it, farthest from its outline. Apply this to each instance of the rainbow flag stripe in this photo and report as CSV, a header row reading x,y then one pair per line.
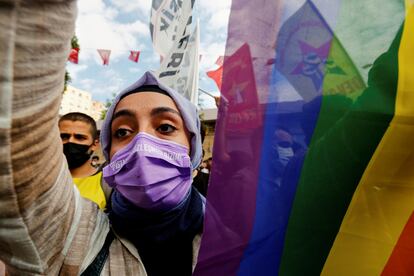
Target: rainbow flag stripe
x,y
313,154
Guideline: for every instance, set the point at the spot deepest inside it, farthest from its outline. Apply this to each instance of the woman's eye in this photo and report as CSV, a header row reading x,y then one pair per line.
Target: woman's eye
x,y
121,132
166,128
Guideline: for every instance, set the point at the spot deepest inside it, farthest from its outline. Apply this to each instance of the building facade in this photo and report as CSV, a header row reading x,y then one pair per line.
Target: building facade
x,y
77,100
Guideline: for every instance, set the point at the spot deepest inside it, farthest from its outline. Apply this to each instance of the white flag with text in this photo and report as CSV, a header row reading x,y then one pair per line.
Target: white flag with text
x,y
168,21
179,69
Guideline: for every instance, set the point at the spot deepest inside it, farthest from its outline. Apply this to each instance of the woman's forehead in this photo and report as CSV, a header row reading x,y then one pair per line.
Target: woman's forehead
x,y
145,100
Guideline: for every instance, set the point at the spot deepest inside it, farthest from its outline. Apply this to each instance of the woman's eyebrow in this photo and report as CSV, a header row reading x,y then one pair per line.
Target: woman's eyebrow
x,y
162,109
123,113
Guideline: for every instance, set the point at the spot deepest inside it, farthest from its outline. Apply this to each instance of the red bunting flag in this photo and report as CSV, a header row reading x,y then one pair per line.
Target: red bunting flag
x,y
134,56
74,55
217,76
104,55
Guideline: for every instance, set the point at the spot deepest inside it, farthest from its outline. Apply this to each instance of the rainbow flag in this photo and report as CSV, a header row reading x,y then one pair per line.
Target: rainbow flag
x,y
313,163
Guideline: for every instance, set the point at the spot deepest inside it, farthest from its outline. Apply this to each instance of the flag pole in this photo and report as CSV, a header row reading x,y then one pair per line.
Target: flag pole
x,y
207,93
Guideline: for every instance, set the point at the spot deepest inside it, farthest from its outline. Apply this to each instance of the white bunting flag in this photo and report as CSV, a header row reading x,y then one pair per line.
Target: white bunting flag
x,y
104,55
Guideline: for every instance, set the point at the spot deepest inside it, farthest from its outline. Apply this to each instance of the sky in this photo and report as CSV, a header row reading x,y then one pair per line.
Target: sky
x,y
123,25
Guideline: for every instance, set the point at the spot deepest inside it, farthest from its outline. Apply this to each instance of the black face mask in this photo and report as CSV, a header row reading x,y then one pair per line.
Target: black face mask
x,y
76,154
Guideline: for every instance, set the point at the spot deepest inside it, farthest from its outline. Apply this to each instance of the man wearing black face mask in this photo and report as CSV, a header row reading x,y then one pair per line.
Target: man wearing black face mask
x,y
80,139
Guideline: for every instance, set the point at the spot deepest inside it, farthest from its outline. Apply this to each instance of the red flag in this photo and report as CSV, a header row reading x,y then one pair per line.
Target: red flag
x,y
74,55
217,76
239,87
104,55
134,56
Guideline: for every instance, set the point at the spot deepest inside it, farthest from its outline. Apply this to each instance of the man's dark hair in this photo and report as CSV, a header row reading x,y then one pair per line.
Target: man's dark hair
x,y
77,116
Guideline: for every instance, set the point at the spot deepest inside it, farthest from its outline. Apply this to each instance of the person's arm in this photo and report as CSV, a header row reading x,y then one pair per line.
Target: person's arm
x,y
39,207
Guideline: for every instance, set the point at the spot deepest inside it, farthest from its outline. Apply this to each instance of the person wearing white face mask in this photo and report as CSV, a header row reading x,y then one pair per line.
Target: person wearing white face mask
x,y
283,150
283,145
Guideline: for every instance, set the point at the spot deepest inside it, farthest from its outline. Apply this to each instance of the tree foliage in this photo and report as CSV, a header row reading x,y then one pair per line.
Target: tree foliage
x,y
108,103
74,44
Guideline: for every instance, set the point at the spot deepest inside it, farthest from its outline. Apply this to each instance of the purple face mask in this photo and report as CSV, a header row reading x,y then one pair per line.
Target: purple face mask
x,y
152,173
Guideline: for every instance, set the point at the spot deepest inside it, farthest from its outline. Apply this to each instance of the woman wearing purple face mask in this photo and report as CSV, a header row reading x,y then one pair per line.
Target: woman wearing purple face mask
x,y
151,139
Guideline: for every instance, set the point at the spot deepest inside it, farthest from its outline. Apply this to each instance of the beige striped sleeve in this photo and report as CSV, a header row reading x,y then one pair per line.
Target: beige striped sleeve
x,y
37,198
